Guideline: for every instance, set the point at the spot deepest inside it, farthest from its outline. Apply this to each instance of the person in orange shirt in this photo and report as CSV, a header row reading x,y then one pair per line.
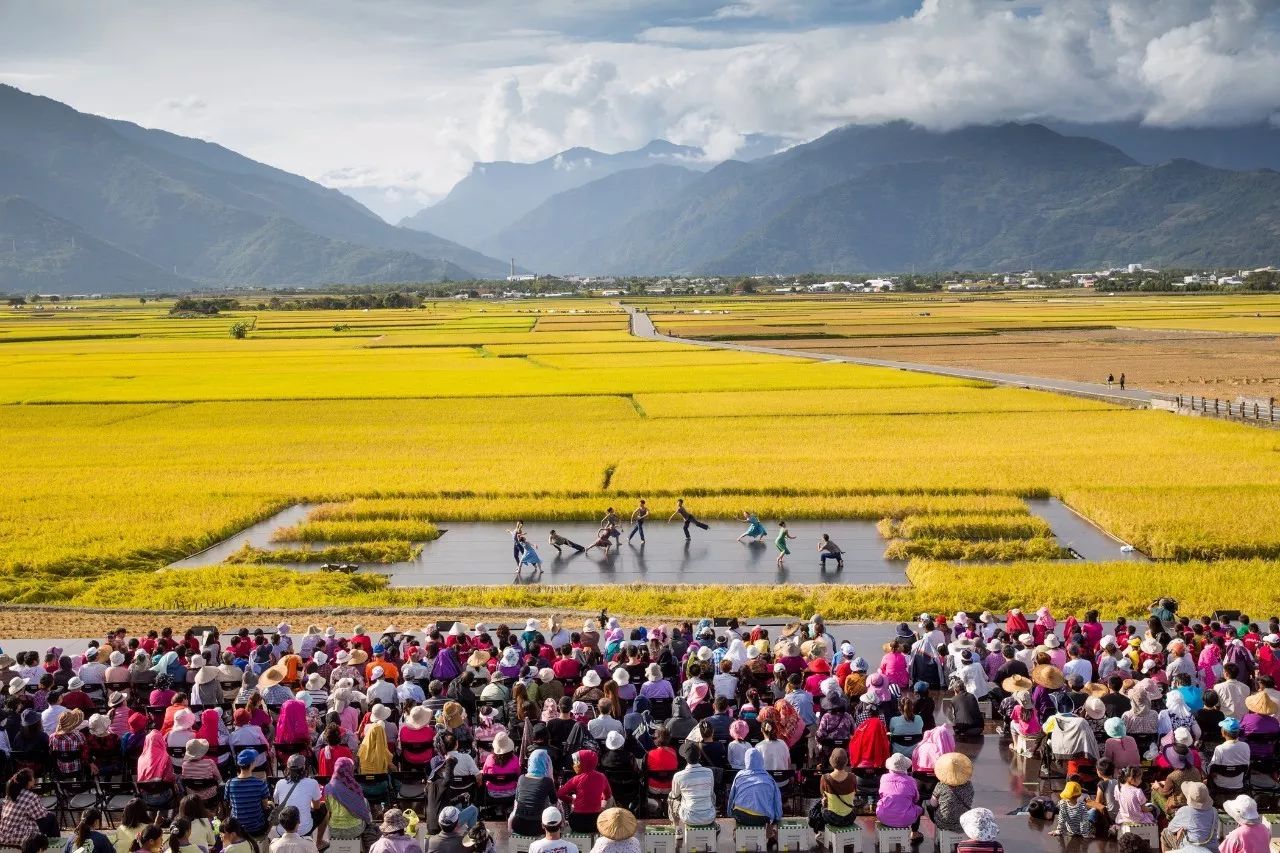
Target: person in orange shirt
x,y
390,671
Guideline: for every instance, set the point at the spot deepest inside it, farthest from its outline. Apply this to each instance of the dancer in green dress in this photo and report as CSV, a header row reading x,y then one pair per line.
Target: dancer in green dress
x,y
781,542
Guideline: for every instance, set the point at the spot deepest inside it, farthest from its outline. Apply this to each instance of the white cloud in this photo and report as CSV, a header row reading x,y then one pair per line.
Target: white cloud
x,y
406,95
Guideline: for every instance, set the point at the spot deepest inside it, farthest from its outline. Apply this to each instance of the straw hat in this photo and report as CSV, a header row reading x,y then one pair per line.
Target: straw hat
x,y
616,824
418,718
1014,683
1261,703
116,699
357,657
70,721
953,769
206,674
454,715
273,676
502,744
1048,677
197,748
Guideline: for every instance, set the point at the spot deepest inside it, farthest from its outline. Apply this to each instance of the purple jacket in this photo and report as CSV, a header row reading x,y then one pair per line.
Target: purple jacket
x,y
899,803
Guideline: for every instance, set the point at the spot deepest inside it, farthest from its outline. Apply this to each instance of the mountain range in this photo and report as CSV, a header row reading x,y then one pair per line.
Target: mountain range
x,y
895,197
161,211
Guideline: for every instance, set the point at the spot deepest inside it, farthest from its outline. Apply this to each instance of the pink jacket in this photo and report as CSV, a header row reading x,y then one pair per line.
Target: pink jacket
x,y
894,667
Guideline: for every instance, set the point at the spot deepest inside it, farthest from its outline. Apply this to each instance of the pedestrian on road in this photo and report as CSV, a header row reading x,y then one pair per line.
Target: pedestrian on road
x,y
1121,381
828,550
637,521
558,542
517,542
610,523
781,541
688,517
1110,379
754,528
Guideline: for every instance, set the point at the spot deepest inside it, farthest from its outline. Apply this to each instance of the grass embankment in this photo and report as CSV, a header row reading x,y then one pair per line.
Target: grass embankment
x,y
1117,589
358,531
389,551
1002,550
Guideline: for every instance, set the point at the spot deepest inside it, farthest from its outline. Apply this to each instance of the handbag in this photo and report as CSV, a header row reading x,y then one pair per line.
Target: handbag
x,y
274,817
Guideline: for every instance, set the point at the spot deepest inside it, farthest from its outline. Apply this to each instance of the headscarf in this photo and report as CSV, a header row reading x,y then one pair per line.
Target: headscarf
x,y
210,720
754,787
153,763
344,788
790,726
375,757
736,654
291,727
539,764
167,660
1179,714
980,825
935,743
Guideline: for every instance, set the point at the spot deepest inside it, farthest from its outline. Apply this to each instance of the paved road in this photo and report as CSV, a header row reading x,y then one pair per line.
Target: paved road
x,y
642,327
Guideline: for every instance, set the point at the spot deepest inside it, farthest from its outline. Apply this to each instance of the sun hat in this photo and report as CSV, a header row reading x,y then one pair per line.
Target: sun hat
x,y
117,658
1261,703
74,683
551,817
1197,795
980,825
578,708
1182,736
819,666
393,820
381,713
1230,725
184,719
198,748
116,699
653,673
546,675
320,658
99,725
616,824
357,656
1070,791
1014,683
246,757
859,665
479,658
1243,808
531,625
273,676
1026,639
591,678
196,662
779,667
1150,646
698,694
315,681
898,763
1115,727
454,715
341,657
503,745
1052,642
614,740
1048,677
621,677
1149,664
31,717
1094,709
418,718
953,768
17,684
705,653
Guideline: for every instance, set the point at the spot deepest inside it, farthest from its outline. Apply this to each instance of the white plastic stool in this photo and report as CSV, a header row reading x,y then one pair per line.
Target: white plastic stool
x,y
984,708
947,840
755,838
658,839
517,844
705,838
352,845
583,840
842,838
794,835
1146,831
891,838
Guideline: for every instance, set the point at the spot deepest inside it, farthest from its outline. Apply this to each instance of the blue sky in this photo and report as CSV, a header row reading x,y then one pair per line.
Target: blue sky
x,y
397,98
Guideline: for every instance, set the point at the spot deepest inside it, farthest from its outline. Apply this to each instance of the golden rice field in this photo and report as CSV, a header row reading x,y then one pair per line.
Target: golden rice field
x,y
134,438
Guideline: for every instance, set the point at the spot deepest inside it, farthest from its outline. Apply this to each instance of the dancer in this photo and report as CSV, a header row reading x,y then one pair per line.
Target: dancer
x,y
781,541
610,523
754,528
828,550
637,521
555,540
602,541
531,558
688,517
517,543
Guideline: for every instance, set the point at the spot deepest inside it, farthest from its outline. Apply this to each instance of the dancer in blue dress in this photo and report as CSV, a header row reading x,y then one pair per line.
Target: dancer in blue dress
x,y
531,558
755,530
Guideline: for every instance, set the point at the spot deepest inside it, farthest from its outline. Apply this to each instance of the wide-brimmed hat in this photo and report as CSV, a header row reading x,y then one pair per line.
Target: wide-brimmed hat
x,y
18,684
315,681
898,763
1048,676
1261,703
320,658
1197,795
621,677
99,725
7,660
819,666
273,676
698,694
1094,688
616,824
419,717
381,713
342,657
117,658
197,748
393,820
1051,641
591,678
357,657
184,719
74,683
953,769
1150,646
116,699
980,825
479,658
206,674
454,715
1243,808
1014,683
70,720
1115,727
502,744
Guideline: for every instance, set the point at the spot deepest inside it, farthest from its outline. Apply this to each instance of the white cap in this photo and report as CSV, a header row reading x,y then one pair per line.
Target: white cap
x,y
551,816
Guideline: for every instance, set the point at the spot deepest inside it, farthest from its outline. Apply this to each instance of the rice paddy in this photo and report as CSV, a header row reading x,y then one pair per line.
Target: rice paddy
x,y
134,438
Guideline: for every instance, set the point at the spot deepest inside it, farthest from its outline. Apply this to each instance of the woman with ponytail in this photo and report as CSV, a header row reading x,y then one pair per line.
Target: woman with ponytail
x,y
86,838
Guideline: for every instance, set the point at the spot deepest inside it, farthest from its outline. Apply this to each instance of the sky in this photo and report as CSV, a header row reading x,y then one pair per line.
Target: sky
x,y
394,100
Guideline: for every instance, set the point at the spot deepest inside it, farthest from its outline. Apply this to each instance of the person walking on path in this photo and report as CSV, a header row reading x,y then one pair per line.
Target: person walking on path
x,y
754,528
828,550
517,543
602,541
610,523
637,521
688,517
555,540
1121,381
1110,379
781,541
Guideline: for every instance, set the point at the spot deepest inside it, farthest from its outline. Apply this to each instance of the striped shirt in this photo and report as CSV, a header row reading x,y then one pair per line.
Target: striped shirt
x,y
245,796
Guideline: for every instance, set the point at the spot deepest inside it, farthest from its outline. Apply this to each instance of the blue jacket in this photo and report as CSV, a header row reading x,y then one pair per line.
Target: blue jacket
x,y
754,789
